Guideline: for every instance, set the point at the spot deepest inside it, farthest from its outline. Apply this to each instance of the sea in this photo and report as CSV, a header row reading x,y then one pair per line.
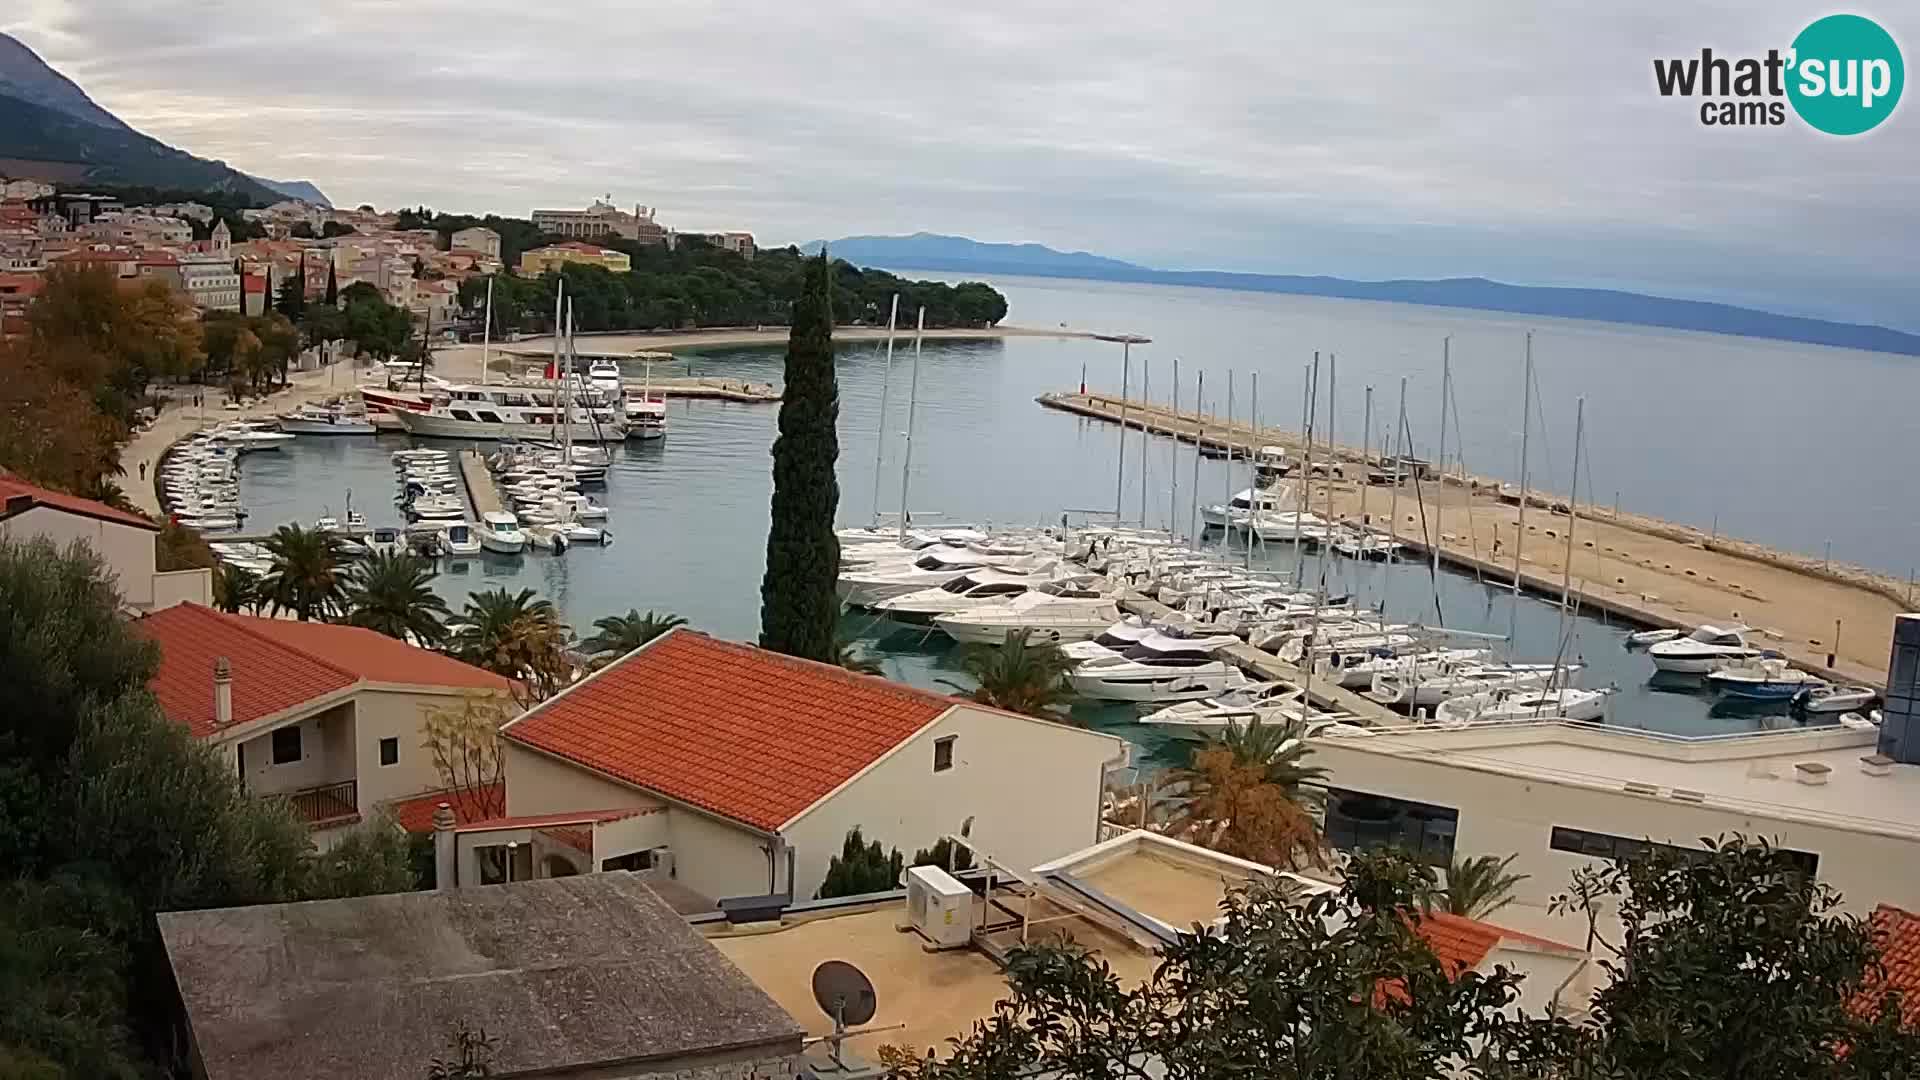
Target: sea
x,y
1792,445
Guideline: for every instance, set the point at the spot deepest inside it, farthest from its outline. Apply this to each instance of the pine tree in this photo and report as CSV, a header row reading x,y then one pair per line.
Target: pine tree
x,y
799,610
293,293
333,287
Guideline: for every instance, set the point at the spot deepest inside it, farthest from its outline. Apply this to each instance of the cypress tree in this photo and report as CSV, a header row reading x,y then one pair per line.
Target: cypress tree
x,y
333,287
799,610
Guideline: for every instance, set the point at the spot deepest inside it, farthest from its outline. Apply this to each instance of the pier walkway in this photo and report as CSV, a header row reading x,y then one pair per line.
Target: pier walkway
x,y
1640,569
1269,667
481,494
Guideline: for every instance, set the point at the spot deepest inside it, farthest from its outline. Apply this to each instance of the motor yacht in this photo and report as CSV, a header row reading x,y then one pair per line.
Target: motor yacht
x,y
1557,703
1159,667
1199,719
1762,680
1056,612
975,588
1703,650
500,533
935,566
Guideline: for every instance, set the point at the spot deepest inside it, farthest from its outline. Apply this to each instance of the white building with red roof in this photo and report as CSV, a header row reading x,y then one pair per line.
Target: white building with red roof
x,y
753,766
124,541
328,717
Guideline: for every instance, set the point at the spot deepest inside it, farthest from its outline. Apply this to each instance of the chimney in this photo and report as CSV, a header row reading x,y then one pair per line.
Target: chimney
x,y
222,693
445,870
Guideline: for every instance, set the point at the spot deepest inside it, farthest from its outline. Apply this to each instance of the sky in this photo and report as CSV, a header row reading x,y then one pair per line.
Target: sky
x,y
1522,141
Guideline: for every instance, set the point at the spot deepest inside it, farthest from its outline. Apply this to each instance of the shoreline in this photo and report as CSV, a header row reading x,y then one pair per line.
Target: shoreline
x,y
625,343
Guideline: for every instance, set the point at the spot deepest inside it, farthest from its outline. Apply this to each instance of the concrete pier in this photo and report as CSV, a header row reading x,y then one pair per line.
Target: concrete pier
x,y
1640,569
481,494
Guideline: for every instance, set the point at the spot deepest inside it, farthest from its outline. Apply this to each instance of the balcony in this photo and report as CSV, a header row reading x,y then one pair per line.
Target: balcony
x,y
324,806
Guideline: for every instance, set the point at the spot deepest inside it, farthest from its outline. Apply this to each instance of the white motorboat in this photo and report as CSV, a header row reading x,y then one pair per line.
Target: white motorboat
x,y
935,566
517,411
1857,722
1558,703
437,508
646,414
1057,612
386,541
1116,638
461,539
603,374
1245,504
547,538
500,533
1703,650
1828,699
1414,687
1354,669
1767,679
336,419
975,588
1277,528
579,533
1645,638
1159,667
1267,703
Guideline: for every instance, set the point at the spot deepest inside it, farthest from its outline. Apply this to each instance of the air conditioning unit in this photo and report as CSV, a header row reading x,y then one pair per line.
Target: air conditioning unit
x,y
939,908
661,861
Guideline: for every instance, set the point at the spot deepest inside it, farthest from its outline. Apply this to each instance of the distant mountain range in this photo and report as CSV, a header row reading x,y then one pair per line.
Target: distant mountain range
x,y
51,130
929,251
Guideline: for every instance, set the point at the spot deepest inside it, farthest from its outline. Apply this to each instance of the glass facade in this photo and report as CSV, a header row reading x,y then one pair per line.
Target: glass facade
x,y
1362,821
1608,846
1900,723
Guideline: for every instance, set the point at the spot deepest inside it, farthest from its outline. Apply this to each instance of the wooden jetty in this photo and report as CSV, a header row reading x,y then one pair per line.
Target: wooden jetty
x,y
481,494
1836,621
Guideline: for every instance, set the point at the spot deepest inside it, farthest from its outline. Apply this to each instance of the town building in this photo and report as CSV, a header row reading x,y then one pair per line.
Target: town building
x,y
754,766
434,302
210,281
602,219
76,208
478,239
328,718
199,212
17,293
740,243
130,227
24,189
125,542
159,266
1561,796
538,261
588,977
255,290
121,262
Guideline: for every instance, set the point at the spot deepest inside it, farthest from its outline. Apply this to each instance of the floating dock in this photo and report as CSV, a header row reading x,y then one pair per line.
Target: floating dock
x,y
481,494
1639,569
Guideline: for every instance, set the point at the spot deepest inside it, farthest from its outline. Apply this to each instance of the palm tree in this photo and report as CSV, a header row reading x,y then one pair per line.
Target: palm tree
x,y
236,589
617,635
1019,676
393,593
1478,887
1246,794
305,578
517,635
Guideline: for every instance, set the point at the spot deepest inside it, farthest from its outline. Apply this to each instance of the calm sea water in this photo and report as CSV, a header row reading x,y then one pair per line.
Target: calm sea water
x,y
1685,426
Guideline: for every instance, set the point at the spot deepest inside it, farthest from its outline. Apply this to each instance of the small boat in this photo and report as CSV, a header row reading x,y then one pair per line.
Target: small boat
x,y
1827,699
1647,638
1160,666
500,533
460,539
1701,651
441,508
1857,722
1563,703
1268,703
1766,679
326,420
546,538
386,541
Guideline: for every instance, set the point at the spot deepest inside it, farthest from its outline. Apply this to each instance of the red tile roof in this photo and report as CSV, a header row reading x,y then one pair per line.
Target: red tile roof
x,y
415,815
1898,934
749,735
1460,943
279,664
537,821
12,487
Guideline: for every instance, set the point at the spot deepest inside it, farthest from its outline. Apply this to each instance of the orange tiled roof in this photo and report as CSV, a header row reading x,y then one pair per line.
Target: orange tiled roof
x,y
415,815
12,487
743,733
1459,942
1898,933
278,663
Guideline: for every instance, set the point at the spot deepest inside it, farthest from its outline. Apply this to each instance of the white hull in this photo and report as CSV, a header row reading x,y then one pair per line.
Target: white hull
x,y
1700,664
503,545
1427,691
1566,704
446,427
325,427
1142,682
1064,632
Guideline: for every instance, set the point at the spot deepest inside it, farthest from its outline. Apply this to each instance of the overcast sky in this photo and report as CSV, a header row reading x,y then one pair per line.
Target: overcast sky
x,y
1522,141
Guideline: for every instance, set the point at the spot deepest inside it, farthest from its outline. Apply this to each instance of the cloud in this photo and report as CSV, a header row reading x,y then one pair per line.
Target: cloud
x,y
1518,140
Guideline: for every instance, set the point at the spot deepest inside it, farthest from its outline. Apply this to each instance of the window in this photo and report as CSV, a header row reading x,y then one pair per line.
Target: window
x,y
390,751
1601,845
637,860
286,745
943,753
1360,821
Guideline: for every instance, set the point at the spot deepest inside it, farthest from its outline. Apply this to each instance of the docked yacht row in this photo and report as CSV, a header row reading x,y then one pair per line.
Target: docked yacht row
x,y
199,478
1737,671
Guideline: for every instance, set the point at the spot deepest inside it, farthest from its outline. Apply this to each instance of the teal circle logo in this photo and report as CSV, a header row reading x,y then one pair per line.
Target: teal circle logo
x,y
1845,74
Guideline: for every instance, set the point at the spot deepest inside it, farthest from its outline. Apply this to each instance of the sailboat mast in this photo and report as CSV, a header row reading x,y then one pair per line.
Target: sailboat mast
x,y
1146,436
913,401
1304,500
1520,528
880,425
1253,470
1446,388
1120,453
1199,439
486,333
1173,459
1573,506
1399,456
1333,446
1366,463
1226,482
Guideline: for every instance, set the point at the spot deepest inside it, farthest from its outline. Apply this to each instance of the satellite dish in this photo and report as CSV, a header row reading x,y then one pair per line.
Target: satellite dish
x,y
844,992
